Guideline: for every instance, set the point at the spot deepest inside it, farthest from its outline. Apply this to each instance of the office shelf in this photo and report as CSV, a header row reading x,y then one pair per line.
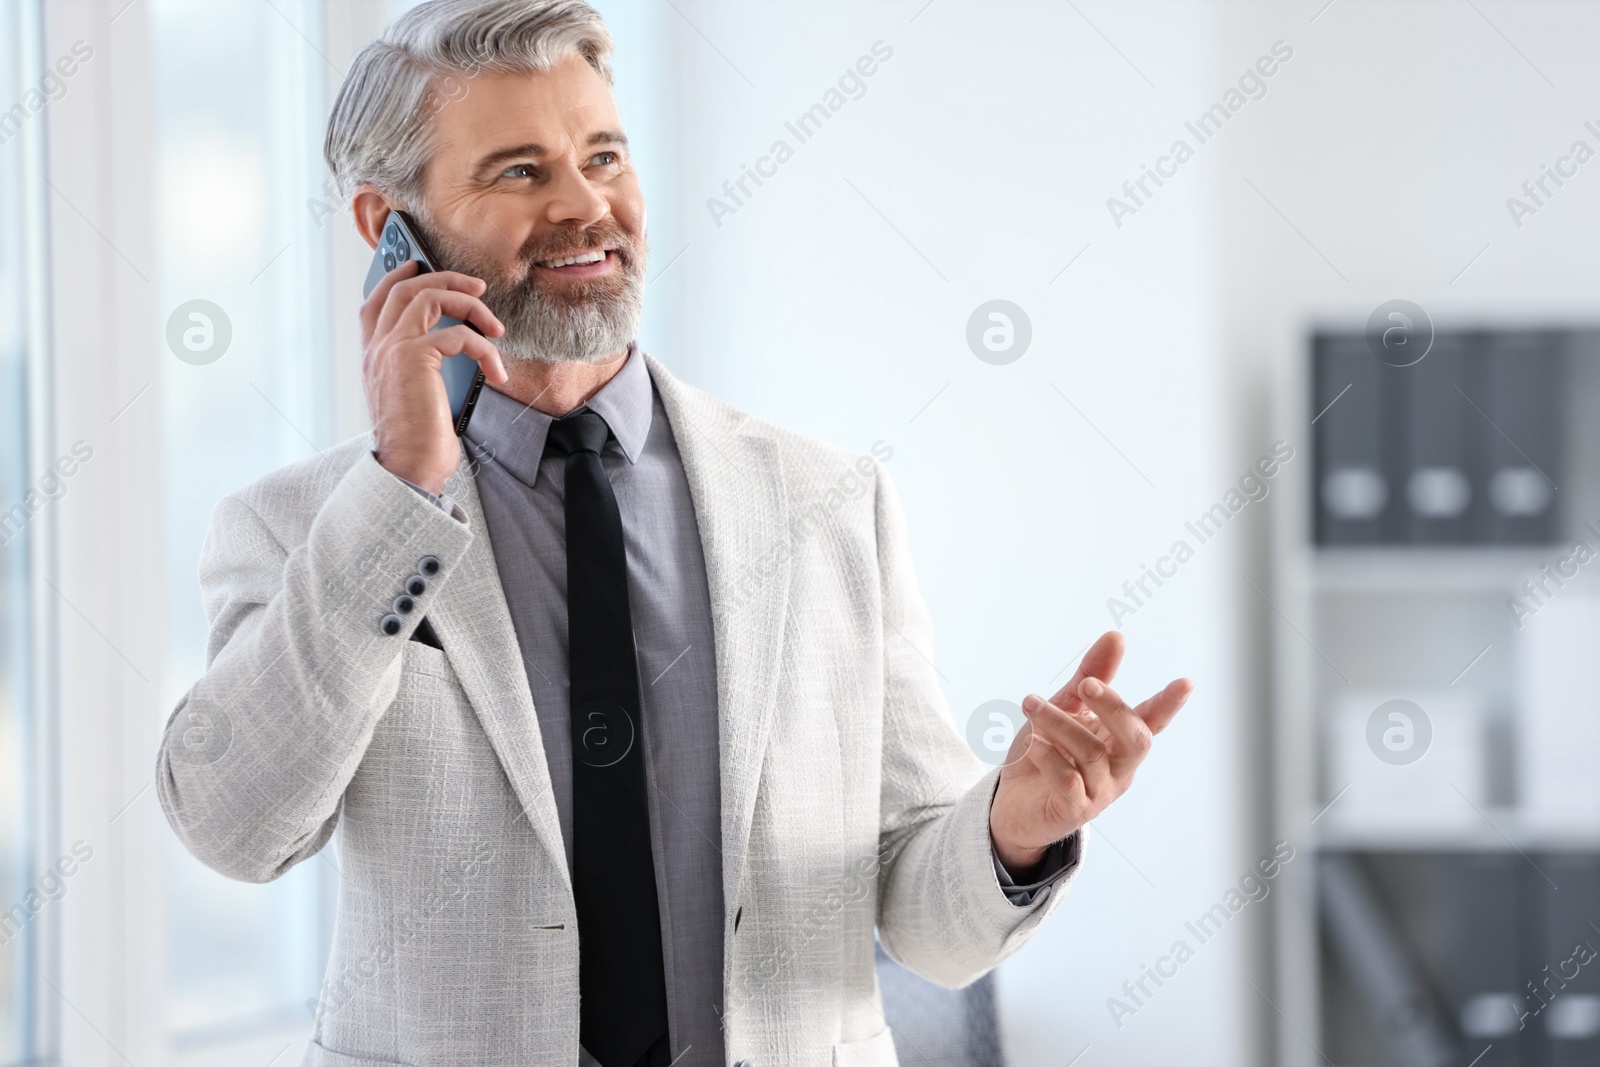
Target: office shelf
x,y
1489,829
1421,569
1399,619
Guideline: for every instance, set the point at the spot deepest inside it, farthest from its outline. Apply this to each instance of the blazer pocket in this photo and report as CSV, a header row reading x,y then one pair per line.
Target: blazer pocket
x,y
319,1055
875,1051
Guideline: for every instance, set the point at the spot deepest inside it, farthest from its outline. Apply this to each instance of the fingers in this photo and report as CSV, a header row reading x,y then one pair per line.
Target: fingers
x,y
428,305
394,295
1086,754
1132,733
1159,710
1101,661
1125,733
373,304
462,340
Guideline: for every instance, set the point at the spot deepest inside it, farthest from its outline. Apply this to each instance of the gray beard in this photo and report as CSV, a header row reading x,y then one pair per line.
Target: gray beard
x,y
593,327
547,331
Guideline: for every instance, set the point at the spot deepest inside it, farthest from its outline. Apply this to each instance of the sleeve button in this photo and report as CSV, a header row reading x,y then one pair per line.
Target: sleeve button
x,y
403,604
390,625
428,566
415,585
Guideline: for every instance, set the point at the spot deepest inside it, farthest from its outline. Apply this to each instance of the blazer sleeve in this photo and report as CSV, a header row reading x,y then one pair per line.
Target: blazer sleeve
x,y
942,912
256,756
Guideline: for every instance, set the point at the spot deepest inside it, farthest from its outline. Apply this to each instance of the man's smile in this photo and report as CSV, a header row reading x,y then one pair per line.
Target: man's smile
x,y
578,266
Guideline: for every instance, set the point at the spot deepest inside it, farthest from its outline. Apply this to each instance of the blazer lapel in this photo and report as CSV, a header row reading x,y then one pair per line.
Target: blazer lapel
x,y
474,626
735,481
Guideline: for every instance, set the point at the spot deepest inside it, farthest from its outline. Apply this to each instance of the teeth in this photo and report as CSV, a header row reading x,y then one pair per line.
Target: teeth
x,y
594,255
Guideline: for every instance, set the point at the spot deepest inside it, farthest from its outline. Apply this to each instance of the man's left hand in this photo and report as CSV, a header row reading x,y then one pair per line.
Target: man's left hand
x,y
1076,754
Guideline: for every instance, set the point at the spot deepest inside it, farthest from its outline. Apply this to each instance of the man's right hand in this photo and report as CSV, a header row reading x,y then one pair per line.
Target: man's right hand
x,y
416,438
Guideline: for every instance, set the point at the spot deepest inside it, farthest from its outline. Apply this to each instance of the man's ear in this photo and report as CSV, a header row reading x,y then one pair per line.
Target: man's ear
x,y
370,208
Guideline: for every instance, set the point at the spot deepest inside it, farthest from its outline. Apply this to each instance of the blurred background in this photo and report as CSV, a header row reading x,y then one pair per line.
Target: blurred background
x,y
1303,406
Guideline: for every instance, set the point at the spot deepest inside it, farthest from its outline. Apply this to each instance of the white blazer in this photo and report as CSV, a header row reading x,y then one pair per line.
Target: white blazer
x,y
848,798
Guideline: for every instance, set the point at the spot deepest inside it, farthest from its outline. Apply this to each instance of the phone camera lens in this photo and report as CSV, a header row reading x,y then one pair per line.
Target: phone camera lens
x,y
402,249
390,235
389,261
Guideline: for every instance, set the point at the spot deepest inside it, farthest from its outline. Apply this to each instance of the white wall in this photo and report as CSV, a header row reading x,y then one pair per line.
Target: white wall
x,y
990,141
1391,143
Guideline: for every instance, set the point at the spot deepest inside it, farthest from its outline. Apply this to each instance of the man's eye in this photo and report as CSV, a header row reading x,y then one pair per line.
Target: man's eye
x,y
604,159
521,170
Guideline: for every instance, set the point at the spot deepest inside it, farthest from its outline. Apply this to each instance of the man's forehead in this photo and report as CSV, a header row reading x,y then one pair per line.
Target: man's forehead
x,y
558,110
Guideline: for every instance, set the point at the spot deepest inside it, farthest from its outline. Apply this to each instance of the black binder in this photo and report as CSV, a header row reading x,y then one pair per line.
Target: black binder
x,y
1522,430
1353,498
1436,463
1480,895
1565,1032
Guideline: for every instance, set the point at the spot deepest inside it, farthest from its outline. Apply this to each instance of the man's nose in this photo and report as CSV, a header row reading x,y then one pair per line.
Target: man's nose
x,y
574,200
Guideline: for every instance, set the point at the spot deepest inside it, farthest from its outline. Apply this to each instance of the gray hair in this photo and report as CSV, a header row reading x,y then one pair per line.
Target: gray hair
x,y
380,129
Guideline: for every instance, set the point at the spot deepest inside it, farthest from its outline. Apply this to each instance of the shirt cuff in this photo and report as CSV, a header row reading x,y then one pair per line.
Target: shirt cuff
x,y
1059,860
440,500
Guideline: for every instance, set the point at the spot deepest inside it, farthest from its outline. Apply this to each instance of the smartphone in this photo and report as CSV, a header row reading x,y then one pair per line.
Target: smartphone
x,y
463,378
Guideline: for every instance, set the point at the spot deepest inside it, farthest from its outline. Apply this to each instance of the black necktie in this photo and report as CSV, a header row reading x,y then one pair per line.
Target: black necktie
x,y
621,978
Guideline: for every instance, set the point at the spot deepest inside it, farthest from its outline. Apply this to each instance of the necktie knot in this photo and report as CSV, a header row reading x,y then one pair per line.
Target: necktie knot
x,y
582,431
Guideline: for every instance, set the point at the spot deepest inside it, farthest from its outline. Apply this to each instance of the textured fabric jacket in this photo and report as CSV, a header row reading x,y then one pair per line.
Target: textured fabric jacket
x,y
848,798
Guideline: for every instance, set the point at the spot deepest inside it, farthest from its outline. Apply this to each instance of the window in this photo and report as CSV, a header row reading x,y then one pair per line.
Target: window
x,y
241,244
24,521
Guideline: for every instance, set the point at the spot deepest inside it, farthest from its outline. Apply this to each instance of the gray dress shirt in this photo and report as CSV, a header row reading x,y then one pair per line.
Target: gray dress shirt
x,y
523,505
522,496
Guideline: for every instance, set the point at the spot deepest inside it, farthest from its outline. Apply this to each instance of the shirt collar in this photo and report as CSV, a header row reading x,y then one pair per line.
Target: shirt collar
x,y
512,433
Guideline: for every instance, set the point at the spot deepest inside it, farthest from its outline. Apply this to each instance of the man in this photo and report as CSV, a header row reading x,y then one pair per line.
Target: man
x,y
619,704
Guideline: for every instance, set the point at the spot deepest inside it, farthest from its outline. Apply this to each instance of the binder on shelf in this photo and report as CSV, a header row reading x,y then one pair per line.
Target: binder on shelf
x,y
1437,465
1465,446
1561,995
1523,431
1482,915
1353,497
